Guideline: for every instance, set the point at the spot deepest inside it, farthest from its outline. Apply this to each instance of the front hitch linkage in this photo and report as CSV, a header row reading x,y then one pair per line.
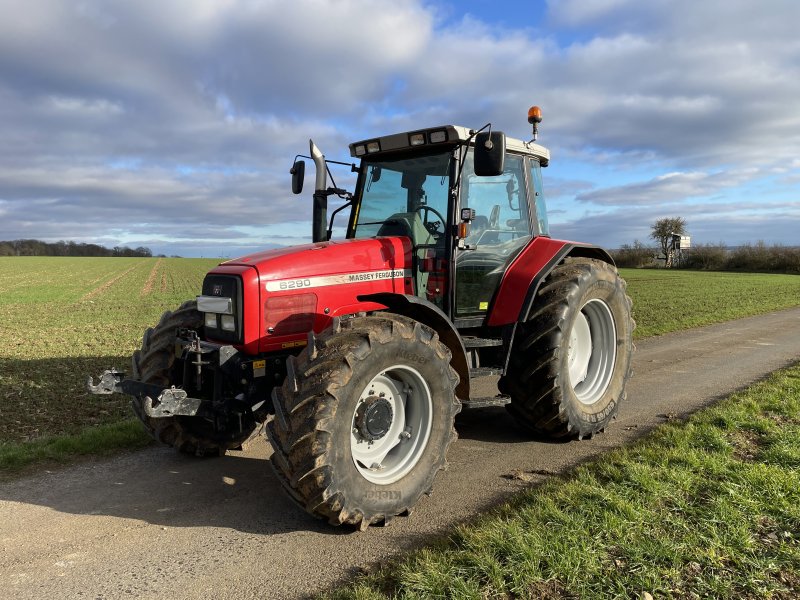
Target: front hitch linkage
x,y
169,402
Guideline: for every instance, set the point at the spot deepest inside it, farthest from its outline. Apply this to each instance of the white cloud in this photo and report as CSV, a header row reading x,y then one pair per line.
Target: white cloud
x,y
670,187
152,107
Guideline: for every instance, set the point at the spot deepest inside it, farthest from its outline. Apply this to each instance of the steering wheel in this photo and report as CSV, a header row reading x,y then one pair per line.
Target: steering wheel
x,y
494,217
432,226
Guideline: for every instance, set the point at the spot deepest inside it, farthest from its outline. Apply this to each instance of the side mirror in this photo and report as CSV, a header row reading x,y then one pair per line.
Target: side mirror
x,y
490,153
298,172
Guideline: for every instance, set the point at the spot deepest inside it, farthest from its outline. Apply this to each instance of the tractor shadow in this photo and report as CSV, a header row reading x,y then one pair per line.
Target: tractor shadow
x,y
238,491
157,485
162,487
493,424
42,397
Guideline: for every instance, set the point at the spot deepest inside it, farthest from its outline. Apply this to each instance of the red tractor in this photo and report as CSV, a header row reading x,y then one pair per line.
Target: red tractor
x,y
357,354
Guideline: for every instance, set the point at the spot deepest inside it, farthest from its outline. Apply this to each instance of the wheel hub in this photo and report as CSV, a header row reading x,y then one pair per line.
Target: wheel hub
x,y
374,418
391,424
580,349
592,351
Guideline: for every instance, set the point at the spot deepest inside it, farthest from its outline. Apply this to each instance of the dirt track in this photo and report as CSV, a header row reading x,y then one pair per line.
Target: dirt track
x,y
155,524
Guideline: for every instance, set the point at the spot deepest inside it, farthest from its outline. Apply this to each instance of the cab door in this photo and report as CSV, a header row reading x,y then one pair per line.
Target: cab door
x,y
501,228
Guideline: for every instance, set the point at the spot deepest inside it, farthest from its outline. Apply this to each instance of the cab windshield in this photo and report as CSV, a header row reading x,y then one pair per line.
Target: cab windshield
x,y
402,195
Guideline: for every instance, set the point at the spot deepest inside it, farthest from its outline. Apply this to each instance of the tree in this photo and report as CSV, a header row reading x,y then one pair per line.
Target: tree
x,y
663,230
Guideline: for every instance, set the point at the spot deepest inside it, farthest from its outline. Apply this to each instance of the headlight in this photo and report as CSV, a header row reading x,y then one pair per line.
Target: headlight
x,y
222,301
438,136
228,322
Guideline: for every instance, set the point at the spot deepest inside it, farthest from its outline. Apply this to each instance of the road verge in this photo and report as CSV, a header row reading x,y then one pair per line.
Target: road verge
x,y
707,507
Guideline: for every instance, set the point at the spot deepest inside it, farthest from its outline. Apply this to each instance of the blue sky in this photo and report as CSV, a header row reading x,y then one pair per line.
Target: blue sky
x,y
172,125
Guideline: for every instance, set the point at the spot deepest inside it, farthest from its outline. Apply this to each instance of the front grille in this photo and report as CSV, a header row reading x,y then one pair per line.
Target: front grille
x,y
225,286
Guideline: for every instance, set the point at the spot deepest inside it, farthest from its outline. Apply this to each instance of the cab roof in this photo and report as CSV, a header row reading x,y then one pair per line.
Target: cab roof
x,y
435,136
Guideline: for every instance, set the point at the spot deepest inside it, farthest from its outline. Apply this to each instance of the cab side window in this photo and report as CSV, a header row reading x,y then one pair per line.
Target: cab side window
x,y
500,203
541,209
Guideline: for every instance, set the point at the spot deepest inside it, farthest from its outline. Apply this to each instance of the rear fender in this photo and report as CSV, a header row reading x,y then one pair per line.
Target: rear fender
x,y
431,315
568,249
514,298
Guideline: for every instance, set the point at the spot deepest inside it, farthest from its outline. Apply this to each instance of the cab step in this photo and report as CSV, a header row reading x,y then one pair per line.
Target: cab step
x,y
477,342
484,371
499,400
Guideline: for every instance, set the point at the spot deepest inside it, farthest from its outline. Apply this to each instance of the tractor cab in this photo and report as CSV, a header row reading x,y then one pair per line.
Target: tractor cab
x,y
468,208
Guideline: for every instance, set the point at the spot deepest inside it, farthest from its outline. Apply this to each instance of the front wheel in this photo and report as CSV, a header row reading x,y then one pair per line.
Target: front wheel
x,y
572,358
364,419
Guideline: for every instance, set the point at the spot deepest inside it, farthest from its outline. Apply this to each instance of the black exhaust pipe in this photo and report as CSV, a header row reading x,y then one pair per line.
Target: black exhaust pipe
x,y
319,217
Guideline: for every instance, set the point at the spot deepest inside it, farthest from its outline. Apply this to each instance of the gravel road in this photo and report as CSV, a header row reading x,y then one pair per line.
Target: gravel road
x,y
154,524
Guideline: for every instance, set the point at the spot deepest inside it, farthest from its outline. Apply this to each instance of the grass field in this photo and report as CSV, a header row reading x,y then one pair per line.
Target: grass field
x,y
665,301
62,319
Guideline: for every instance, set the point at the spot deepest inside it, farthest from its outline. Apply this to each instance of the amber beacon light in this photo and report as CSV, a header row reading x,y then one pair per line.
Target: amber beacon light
x,y
534,118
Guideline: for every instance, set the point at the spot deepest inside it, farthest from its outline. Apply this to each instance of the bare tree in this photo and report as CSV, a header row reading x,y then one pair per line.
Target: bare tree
x,y
663,230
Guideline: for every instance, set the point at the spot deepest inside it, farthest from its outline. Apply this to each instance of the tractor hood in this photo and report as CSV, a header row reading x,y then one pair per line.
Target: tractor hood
x,y
341,257
289,291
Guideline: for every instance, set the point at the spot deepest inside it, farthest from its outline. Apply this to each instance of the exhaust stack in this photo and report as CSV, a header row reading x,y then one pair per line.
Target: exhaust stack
x,y
319,214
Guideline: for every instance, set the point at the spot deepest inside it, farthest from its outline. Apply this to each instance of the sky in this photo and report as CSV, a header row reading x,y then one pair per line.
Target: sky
x,y
172,124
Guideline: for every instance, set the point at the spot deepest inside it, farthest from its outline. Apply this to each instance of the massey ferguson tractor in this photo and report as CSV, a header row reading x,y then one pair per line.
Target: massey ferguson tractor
x,y
356,354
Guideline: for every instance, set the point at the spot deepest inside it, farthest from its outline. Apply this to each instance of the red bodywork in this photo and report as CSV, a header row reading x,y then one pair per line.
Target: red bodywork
x,y
289,291
518,277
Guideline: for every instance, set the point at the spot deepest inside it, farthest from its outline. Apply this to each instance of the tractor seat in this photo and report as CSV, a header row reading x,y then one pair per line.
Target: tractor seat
x,y
408,225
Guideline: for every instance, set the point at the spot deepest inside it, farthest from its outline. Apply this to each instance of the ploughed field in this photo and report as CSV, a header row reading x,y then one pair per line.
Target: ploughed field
x,y
62,319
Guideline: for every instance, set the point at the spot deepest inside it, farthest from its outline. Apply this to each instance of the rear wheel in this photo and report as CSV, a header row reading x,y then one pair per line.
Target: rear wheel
x,y
364,419
572,358
153,364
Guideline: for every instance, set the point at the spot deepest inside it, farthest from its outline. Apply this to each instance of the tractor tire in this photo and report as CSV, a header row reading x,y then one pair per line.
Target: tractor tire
x,y
571,359
364,419
153,364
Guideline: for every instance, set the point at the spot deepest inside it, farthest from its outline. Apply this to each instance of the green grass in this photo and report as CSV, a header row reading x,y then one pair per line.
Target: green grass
x,y
101,440
665,301
709,508
62,319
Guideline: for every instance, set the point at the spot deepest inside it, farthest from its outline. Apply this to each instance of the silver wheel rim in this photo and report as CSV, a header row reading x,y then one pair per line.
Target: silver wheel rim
x,y
592,351
384,458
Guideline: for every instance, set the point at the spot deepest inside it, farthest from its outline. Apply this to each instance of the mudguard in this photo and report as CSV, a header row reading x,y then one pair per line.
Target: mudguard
x,y
522,279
